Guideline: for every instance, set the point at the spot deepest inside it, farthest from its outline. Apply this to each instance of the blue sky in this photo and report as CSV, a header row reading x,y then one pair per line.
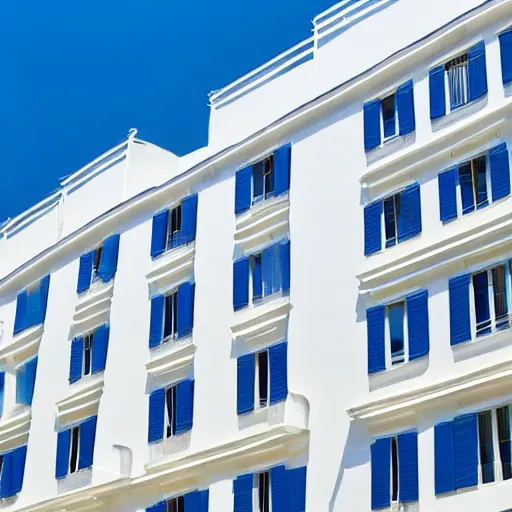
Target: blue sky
x,y
76,75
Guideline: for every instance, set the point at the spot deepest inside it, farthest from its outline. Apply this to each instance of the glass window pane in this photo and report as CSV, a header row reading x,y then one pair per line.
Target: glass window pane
x,y
466,188
390,221
503,415
388,116
257,182
480,180
268,171
500,297
481,295
486,447
457,70
396,331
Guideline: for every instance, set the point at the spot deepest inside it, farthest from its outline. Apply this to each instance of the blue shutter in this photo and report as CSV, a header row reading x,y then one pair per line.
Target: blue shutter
x,y
204,497
85,272
156,321
375,318
381,473
18,468
158,507
278,372
297,489
405,106
20,322
2,392
460,324
279,489
243,190
100,348
409,221
7,474
192,502
417,324
159,234
408,467
76,360
245,383
466,188
371,125
500,171
447,182
62,460
268,270
242,489
506,56
156,415
284,255
188,219
282,164
30,382
185,406
437,93
87,437
477,72
21,384
186,293
482,309
466,450
240,283
257,278
444,457
109,257
44,288
372,228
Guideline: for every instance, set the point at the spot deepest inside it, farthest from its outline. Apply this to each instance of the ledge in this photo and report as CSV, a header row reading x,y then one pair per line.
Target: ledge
x,y
82,403
14,431
24,346
178,358
93,308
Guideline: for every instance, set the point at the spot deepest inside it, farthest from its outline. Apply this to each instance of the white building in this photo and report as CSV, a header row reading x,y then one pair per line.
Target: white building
x,y
311,313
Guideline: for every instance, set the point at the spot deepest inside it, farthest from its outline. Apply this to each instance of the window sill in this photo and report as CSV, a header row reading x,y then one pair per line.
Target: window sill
x,y
398,373
459,113
482,345
172,447
74,480
14,430
93,308
24,346
390,146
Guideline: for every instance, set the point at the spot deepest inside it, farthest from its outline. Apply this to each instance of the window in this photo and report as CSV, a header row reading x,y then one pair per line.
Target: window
x,y
262,484
96,262
174,223
394,469
263,180
396,321
87,353
458,81
25,381
506,56
391,214
74,449
170,316
473,184
31,305
170,411
262,380
266,273
176,504
389,117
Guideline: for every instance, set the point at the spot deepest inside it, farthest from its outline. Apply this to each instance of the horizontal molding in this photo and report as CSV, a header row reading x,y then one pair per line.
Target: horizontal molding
x,y
172,365
14,431
24,345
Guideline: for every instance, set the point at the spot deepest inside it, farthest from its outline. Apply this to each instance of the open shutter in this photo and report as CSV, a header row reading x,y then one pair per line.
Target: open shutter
x,y
100,348
500,171
417,324
466,188
189,219
409,221
243,190
156,415
240,283
278,372
460,324
408,464
477,72
282,164
7,474
284,256
186,293
372,228
375,318
381,473
204,497
158,507
87,438
466,450
506,56
185,406
297,489
30,382
245,383
447,182
76,359
371,112
405,106
279,488
20,321
242,489
437,93
18,468
192,502
44,288
85,272
2,392
444,457
156,321
62,460
109,257
159,234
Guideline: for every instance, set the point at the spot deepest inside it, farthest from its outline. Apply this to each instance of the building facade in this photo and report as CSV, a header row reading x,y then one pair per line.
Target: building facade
x,y
312,313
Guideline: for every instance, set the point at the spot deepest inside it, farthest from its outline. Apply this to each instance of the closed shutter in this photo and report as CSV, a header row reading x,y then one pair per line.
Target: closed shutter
x,y
278,372
447,182
76,359
506,56
204,497
279,489
375,319
409,221
100,348
284,255
417,324
30,382
372,228
62,459
7,476
371,114
245,383
2,392
156,321
186,293
477,72
85,272
20,322
437,93
87,438
159,233
282,164
381,473
405,107
243,190
460,324
242,489
192,502
444,457
44,288
109,258
500,171
156,415
297,489
158,507
185,406
408,467
466,451
189,219
240,283
18,468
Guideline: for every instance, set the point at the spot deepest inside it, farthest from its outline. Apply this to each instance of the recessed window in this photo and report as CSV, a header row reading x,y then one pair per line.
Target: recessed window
x,y
396,323
96,260
503,419
74,449
458,81
262,376
170,316
88,340
262,483
170,411
394,469
174,230
389,117
473,184
391,215
266,273
263,180
176,504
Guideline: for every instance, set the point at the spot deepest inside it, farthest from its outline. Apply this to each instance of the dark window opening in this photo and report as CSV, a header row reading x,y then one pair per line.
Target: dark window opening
x,y
87,353
73,459
176,504
264,491
503,415
391,212
96,261
394,470
1,464
263,179
263,377
458,81
170,405
173,236
257,282
499,286
171,316
481,297
486,446
396,314
389,116
473,184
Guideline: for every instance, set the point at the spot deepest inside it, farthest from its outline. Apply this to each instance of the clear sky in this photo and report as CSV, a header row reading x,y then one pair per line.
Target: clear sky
x,y
76,75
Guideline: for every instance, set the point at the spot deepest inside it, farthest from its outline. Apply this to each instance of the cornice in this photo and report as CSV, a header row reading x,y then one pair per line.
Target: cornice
x,y
14,430
23,346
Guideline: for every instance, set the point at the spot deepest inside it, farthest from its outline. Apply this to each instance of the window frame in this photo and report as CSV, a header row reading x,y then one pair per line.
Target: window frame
x,y
265,477
173,296
384,139
170,423
448,98
89,337
260,166
170,242
257,397
277,263
74,442
176,504
488,185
